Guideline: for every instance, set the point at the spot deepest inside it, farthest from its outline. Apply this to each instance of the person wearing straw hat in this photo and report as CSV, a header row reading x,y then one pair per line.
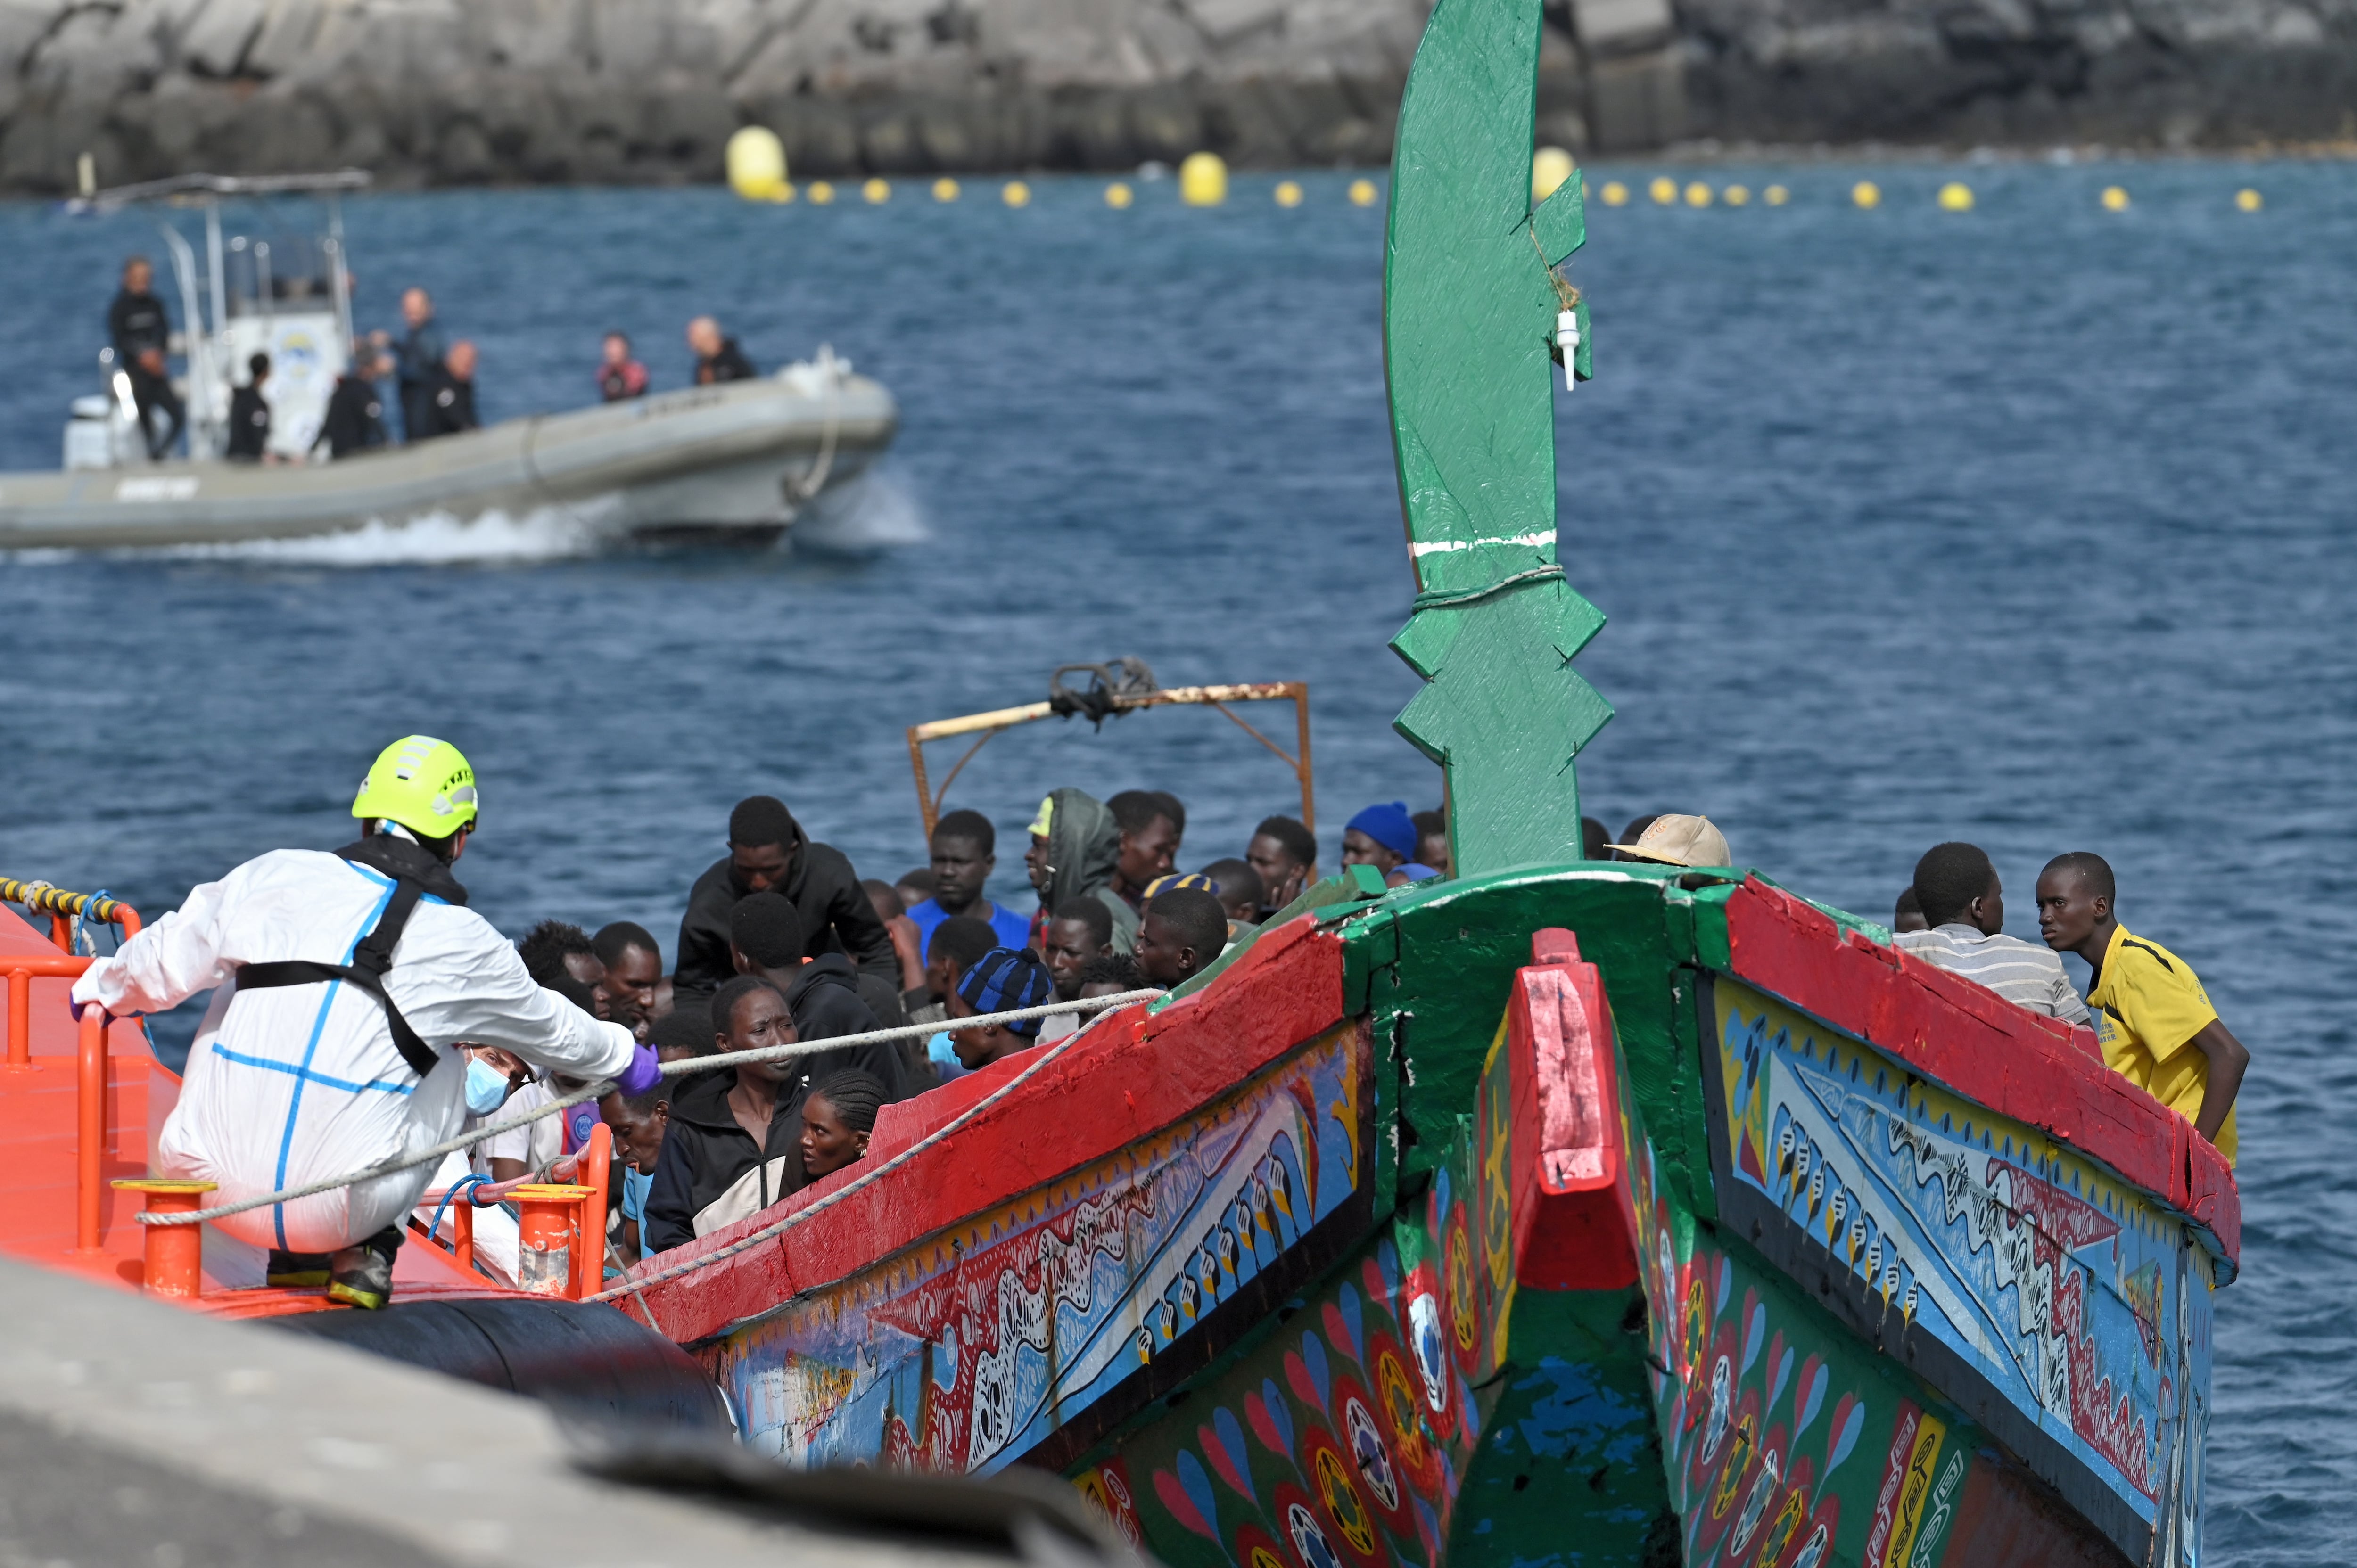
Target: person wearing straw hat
x,y
1675,839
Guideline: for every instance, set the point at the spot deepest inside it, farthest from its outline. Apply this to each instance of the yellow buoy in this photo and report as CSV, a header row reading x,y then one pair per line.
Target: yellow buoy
x,y
757,162
1663,189
1118,195
2114,198
1698,195
2248,200
1615,193
821,193
1288,194
1550,167
1865,193
1203,180
1015,193
1955,196
876,191
1736,196
1363,193
1776,195
945,189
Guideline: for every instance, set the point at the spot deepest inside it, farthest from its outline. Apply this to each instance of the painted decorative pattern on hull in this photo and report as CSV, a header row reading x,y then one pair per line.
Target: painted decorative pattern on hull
x,y
2009,1269
1041,1323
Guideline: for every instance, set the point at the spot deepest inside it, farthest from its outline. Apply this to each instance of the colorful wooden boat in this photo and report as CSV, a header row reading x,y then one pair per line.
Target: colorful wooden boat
x,y
1561,1213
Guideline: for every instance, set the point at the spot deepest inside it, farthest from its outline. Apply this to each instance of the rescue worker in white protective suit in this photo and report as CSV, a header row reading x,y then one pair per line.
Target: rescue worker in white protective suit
x,y
345,981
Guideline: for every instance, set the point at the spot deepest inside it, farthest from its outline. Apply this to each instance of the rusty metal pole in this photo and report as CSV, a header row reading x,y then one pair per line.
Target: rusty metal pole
x,y
1301,757
924,785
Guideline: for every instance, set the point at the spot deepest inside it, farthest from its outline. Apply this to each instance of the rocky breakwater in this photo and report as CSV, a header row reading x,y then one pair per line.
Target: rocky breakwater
x,y
2131,73
455,90
469,91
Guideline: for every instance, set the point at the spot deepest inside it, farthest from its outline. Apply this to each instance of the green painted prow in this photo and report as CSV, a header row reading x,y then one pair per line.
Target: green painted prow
x,y
1471,293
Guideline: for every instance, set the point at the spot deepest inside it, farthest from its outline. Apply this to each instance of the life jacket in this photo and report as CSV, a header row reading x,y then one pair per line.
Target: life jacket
x,y
627,379
412,869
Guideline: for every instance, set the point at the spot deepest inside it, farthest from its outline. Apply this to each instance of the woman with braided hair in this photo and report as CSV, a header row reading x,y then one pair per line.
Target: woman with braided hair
x,y
837,1116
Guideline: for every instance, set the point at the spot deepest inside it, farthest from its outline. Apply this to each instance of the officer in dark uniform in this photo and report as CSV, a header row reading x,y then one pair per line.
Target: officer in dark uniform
x,y
355,419
449,403
249,414
717,357
141,332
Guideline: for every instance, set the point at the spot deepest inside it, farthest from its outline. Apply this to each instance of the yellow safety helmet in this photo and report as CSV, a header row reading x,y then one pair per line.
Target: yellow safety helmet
x,y
425,785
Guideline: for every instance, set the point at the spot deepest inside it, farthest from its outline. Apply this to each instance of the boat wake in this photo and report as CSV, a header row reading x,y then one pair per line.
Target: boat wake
x,y
437,538
866,516
873,513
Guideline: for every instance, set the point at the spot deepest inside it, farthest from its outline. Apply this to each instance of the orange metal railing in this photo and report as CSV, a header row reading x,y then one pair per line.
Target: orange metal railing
x,y
554,1215
21,970
61,907
89,1143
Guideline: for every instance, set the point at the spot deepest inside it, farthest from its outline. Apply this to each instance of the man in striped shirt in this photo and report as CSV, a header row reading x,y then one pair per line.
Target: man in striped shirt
x,y
1965,904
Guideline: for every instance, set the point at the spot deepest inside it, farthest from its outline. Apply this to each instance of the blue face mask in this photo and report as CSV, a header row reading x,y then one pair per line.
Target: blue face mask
x,y
487,1087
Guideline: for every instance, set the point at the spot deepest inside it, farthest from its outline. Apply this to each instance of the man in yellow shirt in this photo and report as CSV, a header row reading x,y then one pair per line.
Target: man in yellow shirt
x,y
2157,1028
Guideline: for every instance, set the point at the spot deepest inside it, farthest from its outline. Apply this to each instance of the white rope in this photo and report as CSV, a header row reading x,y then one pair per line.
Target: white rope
x,y
682,1068
865,1178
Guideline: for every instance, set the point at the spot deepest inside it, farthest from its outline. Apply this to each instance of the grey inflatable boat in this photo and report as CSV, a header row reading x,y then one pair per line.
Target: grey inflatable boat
x,y
734,461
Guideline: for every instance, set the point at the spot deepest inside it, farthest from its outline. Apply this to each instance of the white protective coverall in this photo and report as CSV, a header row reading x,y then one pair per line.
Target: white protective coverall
x,y
291,1084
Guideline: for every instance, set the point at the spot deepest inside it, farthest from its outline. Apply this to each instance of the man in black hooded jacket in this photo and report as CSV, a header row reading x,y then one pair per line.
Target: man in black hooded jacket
x,y
769,852
707,1150
823,993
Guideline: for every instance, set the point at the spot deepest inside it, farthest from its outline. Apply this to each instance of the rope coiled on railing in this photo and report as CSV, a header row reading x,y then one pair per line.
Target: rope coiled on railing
x,y
47,900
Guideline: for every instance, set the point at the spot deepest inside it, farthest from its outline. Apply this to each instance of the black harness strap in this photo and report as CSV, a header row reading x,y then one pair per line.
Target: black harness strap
x,y
371,958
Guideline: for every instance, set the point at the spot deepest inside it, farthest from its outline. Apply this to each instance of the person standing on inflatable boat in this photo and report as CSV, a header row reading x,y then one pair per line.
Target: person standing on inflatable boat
x,y
343,985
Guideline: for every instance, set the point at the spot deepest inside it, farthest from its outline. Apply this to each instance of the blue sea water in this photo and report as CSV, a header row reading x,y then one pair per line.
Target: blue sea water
x,y
2030,525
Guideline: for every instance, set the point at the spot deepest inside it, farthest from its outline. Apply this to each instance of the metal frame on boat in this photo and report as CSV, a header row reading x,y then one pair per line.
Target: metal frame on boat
x,y
1126,687
221,324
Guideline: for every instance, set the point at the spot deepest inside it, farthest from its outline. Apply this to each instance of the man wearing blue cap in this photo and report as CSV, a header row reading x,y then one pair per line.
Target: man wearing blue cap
x,y
1381,836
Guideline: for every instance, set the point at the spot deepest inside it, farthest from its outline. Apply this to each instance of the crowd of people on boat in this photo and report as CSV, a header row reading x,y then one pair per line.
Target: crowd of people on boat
x,y
433,376
783,940
784,943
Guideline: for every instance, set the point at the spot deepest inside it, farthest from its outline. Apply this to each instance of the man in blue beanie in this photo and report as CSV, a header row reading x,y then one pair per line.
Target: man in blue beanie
x,y
1004,980
1381,836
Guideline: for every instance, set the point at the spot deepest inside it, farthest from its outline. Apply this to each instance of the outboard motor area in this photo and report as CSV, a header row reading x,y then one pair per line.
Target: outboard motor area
x,y
102,433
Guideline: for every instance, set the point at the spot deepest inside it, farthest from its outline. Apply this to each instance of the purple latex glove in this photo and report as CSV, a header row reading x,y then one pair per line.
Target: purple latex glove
x,y
643,1073
75,1008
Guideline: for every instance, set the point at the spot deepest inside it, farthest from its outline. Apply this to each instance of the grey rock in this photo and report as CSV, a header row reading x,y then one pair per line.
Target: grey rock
x,y
214,43
509,90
